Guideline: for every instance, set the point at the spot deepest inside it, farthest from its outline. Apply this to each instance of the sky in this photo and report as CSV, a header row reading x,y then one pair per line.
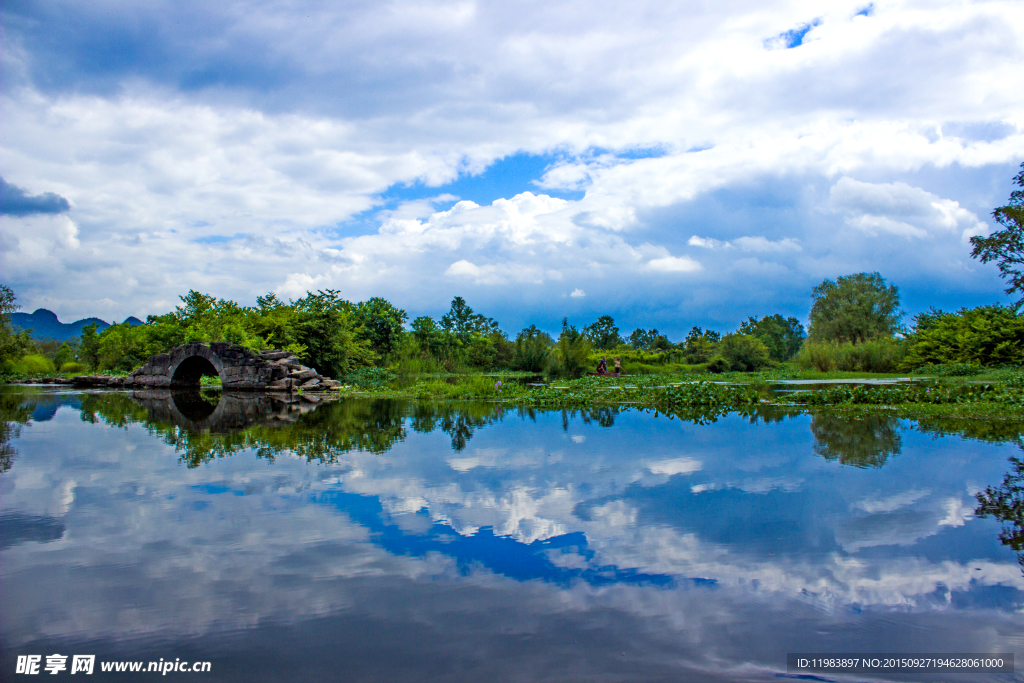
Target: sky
x,y
669,164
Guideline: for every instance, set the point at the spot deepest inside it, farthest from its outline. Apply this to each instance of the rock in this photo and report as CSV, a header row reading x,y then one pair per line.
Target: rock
x,y
310,384
282,383
274,355
302,374
331,384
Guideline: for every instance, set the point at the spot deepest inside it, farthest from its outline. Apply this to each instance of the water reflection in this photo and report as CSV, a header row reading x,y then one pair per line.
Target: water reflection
x,y
469,540
859,441
1006,503
13,414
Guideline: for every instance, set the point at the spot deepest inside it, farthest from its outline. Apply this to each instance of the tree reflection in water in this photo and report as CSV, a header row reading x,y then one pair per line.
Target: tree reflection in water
x,y
13,415
858,441
1006,503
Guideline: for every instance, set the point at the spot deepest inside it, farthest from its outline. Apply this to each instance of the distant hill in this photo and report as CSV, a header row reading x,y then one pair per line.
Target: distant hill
x,y
45,325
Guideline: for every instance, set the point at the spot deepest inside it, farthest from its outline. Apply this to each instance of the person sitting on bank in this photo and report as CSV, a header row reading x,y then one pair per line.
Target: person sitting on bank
x,y
618,367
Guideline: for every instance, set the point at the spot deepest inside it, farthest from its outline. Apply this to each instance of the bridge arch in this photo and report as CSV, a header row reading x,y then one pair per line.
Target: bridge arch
x,y
188,369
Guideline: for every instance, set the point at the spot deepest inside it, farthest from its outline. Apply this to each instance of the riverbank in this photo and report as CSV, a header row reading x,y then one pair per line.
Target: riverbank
x,y
690,396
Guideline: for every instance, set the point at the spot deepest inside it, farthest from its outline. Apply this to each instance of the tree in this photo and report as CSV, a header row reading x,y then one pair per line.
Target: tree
x,y
744,353
986,335
461,321
13,344
603,334
648,340
855,308
701,345
531,349
570,357
382,324
782,336
325,326
1006,246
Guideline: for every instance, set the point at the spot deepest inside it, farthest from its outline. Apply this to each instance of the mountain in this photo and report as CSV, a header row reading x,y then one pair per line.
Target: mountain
x,y
45,325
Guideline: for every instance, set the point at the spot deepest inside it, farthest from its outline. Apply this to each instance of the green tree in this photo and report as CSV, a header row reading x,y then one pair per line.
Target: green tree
x,y
531,349
382,324
648,340
603,334
986,335
90,346
782,336
325,325
701,345
855,308
64,355
13,343
461,321
428,334
744,353
1006,246
570,357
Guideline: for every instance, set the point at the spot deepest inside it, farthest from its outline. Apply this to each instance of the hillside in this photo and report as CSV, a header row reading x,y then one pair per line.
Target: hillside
x,y
45,325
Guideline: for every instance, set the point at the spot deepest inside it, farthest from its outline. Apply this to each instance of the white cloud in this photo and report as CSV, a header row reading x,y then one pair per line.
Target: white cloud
x,y
249,185
899,209
758,244
675,466
578,294
674,264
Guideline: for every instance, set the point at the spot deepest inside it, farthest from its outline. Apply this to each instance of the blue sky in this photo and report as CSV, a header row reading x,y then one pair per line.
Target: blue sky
x,y
669,165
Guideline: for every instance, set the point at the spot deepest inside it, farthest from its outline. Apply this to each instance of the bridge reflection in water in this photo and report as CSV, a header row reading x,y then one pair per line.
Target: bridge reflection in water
x,y
221,412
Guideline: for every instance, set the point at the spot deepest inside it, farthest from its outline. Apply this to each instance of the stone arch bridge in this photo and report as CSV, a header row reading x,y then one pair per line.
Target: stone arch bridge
x,y
238,369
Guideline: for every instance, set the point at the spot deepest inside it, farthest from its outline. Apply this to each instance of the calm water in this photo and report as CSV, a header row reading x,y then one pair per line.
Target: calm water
x,y
390,541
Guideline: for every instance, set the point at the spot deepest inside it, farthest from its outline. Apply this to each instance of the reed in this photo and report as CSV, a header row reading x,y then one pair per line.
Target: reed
x,y
876,355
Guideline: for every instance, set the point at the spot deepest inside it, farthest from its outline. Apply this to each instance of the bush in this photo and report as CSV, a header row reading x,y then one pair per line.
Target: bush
x,y
743,353
718,364
74,366
878,355
370,378
33,364
950,370
986,335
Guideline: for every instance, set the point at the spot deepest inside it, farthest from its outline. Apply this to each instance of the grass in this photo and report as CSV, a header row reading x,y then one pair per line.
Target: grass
x,y
707,396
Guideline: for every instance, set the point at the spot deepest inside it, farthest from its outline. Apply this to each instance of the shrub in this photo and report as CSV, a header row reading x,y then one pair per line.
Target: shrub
x,y
878,355
744,353
33,364
74,366
718,364
986,335
370,378
950,370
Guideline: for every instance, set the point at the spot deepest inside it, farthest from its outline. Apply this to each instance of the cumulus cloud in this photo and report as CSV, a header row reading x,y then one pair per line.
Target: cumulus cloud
x,y
902,210
267,150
